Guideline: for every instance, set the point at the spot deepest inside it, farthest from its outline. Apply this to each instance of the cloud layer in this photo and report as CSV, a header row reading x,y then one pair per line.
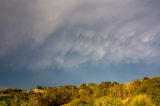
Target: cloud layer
x,y
66,34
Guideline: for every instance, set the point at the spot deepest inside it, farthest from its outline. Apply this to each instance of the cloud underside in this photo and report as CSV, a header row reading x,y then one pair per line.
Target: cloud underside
x,y
66,34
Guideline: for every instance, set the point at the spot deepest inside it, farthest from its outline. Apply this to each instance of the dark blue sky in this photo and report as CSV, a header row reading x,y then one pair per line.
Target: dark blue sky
x,y
69,42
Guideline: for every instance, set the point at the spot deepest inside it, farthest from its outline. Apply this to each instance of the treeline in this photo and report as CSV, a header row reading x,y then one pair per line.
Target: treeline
x,y
144,92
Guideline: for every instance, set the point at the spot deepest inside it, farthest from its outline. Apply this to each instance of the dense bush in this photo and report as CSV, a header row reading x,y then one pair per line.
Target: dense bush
x,y
141,100
151,87
108,101
144,92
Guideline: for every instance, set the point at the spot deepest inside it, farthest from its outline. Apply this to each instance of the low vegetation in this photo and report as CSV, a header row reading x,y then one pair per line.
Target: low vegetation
x,y
144,92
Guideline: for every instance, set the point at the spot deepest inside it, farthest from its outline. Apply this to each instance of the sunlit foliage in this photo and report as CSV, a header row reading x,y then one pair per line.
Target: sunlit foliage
x,y
145,92
141,100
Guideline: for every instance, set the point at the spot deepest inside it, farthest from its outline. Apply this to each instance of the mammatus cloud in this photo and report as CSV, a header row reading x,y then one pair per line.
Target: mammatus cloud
x,y
66,34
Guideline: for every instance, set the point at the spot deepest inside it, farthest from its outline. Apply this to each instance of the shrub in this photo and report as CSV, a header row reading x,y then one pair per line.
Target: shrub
x,y
141,100
78,102
106,101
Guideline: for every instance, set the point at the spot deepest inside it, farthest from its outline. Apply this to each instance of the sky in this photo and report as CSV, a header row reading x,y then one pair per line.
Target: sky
x,y
67,42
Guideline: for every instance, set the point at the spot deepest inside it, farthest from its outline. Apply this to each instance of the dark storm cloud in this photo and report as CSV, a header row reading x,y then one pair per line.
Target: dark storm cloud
x,y
65,34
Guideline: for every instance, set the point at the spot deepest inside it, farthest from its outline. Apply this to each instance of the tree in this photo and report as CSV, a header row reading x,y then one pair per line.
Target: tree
x,y
151,87
83,86
39,87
